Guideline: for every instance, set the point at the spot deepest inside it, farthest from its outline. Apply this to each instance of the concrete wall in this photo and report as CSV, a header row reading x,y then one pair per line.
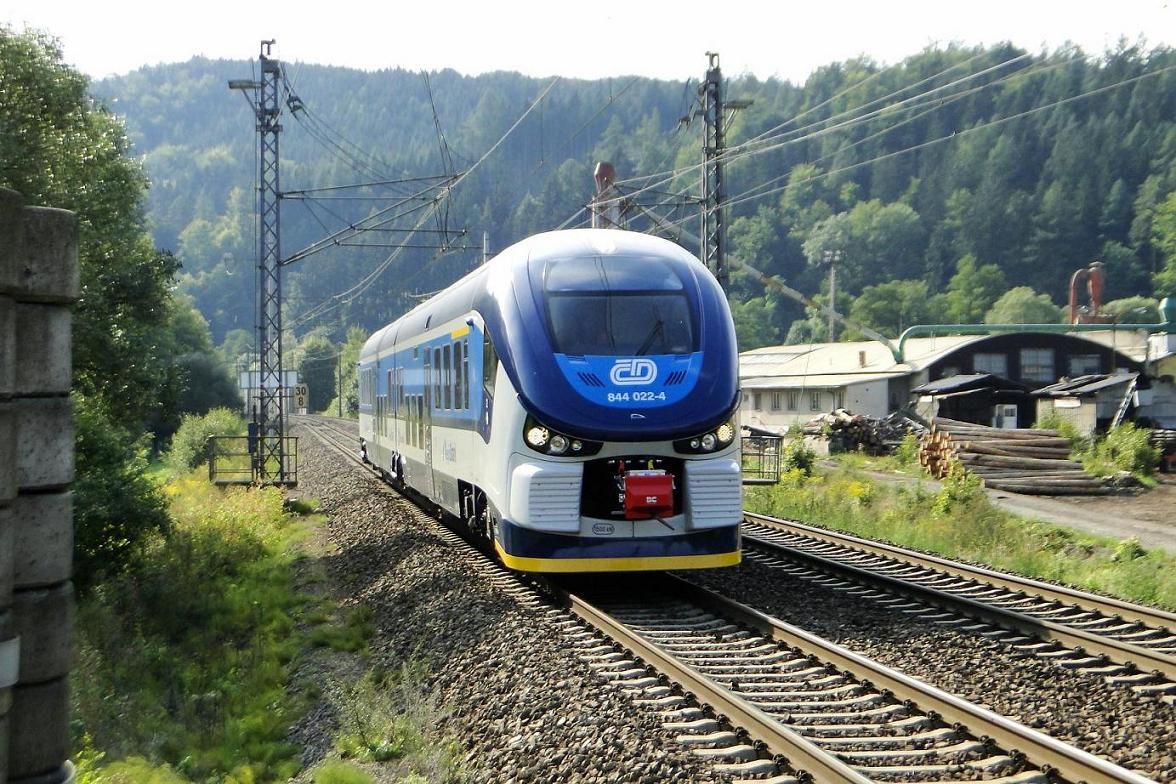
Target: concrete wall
x,y
38,283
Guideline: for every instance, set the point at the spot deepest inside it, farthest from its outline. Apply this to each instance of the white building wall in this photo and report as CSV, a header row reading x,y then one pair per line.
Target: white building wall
x,y
868,398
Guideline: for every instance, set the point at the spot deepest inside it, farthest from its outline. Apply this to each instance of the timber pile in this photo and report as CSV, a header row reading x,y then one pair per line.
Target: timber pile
x,y
1035,462
849,432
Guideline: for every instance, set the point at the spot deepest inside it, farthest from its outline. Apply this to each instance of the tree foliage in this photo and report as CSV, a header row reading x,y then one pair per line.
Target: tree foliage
x,y
1022,305
136,350
1043,164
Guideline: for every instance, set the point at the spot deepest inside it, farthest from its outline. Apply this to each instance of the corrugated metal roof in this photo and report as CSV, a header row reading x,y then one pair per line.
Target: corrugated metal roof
x,y
1085,385
813,380
858,357
967,381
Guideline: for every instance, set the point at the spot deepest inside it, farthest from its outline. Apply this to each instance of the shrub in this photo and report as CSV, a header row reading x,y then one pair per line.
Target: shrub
x,y
797,455
907,451
187,449
959,489
117,509
1123,448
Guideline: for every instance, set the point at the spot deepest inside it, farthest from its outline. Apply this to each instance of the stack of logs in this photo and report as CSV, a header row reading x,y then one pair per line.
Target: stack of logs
x,y
849,432
1035,462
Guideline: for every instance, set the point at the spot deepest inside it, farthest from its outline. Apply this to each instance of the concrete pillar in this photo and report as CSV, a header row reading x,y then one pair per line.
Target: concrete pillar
x,y
38,283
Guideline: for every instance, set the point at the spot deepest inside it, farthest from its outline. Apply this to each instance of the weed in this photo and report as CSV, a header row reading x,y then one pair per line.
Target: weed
x,y
336,772
391,717
960,522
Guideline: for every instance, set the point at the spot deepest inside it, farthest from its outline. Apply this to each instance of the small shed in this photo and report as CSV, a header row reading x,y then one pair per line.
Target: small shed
x,y
982,398
1087,402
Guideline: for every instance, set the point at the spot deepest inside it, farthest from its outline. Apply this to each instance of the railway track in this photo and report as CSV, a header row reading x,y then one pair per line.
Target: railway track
x,y
770,702
1124,643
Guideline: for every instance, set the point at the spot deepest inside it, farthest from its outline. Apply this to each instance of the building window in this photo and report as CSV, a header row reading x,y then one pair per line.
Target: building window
x,y
1084,365
755,401
1037,364
776,400
839,399
996,364
815,400
793,400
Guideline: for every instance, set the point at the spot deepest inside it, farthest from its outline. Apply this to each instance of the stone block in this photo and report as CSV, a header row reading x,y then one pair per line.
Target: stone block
x,y
47,268
7,557
44,621
11,237
7,451
42,539
7,346
44,442
38,729
9,649
42,345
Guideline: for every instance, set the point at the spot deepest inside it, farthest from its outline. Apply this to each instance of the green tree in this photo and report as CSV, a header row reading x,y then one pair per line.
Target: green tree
x,y
1023,305
58,148
317,359
1163,230
970,293
891,307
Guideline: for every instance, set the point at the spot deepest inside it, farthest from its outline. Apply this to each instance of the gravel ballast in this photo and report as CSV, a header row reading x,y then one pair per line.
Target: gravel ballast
x,y
513,694
1138,733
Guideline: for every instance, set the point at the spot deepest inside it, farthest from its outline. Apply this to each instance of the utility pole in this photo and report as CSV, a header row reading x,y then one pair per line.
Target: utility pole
x,y
831,258
714,232
271,464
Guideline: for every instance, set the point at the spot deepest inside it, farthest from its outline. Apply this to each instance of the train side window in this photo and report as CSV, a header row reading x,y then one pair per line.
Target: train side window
x,y
447,378
465,372
489,364
458,370
436,378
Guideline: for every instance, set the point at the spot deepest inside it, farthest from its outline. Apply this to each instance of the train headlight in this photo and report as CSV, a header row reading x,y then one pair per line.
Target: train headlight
x,y
543,439
537,436
719,438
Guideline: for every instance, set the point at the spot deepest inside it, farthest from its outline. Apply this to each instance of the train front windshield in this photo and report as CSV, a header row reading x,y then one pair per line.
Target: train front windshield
x,y
617,306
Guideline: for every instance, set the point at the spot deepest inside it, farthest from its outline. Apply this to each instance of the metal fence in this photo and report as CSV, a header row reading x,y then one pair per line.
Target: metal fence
x,y
236,460
761,460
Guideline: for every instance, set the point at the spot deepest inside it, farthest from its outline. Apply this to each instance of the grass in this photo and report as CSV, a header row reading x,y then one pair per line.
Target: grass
x,y
959,522
184,661
387,717
185,664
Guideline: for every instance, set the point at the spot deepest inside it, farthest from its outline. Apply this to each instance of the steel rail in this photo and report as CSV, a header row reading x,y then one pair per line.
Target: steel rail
x,y
1103,604
1115,650
1052,755
1039,749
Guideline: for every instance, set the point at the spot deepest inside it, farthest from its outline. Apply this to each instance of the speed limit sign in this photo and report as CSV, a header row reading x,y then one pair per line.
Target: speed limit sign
x,y
301,393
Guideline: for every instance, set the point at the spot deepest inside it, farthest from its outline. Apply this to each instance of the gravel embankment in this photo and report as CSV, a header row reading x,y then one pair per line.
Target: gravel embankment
x,y
519,703
1107,720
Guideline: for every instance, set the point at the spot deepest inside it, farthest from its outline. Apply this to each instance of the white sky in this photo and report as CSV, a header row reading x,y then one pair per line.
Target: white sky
x,y
665,40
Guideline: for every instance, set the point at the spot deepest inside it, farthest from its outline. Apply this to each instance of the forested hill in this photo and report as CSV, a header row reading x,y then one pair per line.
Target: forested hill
x,y
962,171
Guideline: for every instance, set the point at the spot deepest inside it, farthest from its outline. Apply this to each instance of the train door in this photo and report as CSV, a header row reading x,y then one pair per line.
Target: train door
x,y
427,422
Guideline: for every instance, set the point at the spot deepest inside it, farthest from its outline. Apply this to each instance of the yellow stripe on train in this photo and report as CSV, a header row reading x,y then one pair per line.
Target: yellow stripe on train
x,y
639,564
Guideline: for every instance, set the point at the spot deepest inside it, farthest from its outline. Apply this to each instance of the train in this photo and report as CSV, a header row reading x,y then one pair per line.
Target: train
x,y
573,400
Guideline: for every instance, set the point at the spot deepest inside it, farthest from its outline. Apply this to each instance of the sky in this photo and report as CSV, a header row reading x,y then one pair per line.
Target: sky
x,y
666,40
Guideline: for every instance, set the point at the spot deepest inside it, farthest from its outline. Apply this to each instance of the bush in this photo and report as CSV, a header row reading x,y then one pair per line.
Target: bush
x,y
907,451
798,456
1123,448
188,450
117,508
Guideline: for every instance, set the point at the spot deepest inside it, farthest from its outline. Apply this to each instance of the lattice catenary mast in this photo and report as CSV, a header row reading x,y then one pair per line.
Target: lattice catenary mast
x,y
271,464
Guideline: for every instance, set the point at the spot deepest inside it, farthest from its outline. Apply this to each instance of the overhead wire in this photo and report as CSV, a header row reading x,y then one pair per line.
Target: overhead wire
x,y
349,296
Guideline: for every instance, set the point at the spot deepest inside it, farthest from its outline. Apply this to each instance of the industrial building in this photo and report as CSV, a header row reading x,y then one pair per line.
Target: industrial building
x,y
1009,378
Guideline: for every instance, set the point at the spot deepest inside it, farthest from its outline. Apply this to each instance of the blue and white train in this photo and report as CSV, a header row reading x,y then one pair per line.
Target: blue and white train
x,y
573,400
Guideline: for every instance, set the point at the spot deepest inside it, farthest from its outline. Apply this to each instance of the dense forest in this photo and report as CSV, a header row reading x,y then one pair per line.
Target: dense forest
x,y
955,178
